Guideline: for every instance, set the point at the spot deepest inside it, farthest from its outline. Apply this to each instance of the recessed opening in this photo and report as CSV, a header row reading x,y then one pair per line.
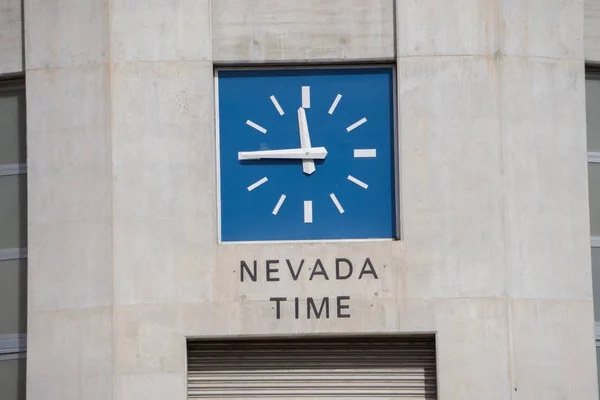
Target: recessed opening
x,y
362,367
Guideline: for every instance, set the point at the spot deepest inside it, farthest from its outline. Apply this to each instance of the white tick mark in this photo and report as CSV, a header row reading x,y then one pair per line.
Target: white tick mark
x,y
305,96
257,184
335,103
277,106
337,203
256,126
365,153
356,124
308,216
358,182
278,205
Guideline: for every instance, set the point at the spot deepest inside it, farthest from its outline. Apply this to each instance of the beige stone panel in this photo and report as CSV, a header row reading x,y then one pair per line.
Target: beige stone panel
x,y
210,319
164,181
62,33
181,94
69,101
69,266
592,30
68,142
163,171
151,386
472,349
148,339
162,260
160,30
542,28
69,177
373,315
553,350
163,148
447,27
276,30
69,186
69,355
292,266
11,42
416,315
451,178
544,152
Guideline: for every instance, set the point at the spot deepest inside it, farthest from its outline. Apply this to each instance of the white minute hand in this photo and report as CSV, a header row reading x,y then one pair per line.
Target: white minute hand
x,y
313,153
308,166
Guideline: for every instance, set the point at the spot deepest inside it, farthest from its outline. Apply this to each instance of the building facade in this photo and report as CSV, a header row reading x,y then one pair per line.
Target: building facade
x,y
131,268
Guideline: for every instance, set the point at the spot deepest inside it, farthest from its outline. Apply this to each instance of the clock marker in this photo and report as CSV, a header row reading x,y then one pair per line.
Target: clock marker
x,y
335,103
256,126
305,96
308,212
365,153
337,203
257,184
278,205
356,181
277,106
356,124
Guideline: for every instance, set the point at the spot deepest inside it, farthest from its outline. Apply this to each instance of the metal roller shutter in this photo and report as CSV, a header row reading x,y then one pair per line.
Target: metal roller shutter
x,y
323,368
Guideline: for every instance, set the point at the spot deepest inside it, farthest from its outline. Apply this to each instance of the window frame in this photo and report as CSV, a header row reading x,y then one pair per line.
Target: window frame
x,y
10,84
13,346
592,72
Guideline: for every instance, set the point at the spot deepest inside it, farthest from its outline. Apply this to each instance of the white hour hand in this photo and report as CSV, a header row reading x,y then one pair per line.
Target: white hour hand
x,y
312,153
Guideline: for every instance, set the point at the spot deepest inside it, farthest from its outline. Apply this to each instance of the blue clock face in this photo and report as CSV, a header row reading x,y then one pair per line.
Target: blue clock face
x,y
306,154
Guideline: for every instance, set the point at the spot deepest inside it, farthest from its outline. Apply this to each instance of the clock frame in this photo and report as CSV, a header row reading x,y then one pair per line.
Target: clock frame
x,y
258,112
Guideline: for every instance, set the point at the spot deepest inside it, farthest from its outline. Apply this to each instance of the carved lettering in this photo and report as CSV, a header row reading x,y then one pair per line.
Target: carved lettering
x,y
318,267
244,267
368,269
315,308
296,274
338,265
341,307
344,270
278,301
310,304
272,270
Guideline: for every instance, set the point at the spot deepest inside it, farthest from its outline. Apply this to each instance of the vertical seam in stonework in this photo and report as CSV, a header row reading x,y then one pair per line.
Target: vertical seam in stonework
x,y
111,188
23,50
400,235
499,72
395,28
213,142
210,32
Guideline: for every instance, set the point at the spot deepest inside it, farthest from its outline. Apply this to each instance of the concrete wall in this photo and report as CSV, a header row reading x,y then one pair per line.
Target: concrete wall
x,y
307,30
124,260
70,189
592,31
11,33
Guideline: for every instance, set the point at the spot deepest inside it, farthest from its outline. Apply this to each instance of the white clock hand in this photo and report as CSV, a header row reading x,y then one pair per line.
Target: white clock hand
x,y
308,165
312,153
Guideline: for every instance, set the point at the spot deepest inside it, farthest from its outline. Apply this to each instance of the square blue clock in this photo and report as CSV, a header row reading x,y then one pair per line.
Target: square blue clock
x,y
306,154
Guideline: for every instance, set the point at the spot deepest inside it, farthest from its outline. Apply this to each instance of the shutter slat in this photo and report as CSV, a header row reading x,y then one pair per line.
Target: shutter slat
x,y
356,368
